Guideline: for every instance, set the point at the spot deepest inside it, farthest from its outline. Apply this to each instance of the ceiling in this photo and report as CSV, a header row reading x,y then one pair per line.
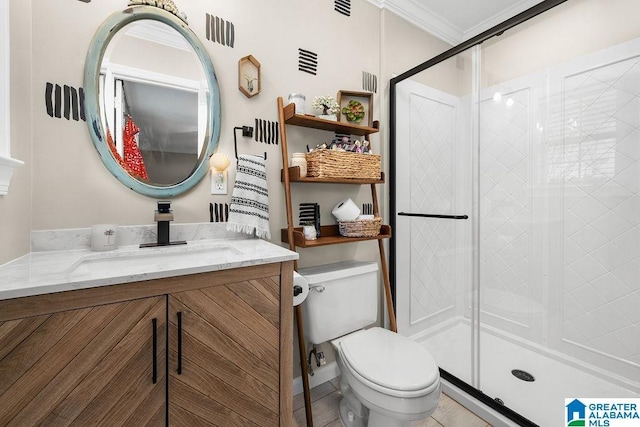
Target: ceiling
x,y
456,20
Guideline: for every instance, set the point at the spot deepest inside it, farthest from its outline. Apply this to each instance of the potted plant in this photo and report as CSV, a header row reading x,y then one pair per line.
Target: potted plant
x,y
328,106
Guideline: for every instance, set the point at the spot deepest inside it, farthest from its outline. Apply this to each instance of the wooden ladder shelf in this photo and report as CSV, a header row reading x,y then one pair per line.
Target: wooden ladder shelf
x,y
330,235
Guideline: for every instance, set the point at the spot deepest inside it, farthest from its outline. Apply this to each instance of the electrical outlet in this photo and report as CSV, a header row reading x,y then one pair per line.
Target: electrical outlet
x,y
219,182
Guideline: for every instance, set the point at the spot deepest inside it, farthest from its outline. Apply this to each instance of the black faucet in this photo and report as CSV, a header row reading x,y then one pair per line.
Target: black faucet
x,y
163,216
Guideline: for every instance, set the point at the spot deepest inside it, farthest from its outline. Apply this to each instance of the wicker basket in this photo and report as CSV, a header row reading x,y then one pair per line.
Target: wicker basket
x,y
360,228
342,164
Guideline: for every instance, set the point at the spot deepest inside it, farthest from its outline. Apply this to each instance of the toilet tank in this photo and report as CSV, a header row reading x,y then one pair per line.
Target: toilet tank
x,y
343,297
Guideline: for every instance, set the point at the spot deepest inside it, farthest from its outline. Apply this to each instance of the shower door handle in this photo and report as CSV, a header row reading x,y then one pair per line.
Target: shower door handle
x,y
433,215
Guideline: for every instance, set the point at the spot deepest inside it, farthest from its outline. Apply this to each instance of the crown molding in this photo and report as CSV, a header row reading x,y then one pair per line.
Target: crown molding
x,y
422,17
498,18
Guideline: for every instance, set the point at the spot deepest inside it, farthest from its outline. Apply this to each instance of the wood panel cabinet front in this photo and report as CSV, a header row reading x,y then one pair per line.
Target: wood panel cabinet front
x,y
224,355
229,353
88,366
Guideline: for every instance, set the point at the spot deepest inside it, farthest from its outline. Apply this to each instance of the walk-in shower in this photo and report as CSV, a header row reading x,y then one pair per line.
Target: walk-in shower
x,y
515,182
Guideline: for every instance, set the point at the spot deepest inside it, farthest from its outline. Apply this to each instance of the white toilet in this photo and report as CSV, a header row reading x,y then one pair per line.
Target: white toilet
x,y
386,379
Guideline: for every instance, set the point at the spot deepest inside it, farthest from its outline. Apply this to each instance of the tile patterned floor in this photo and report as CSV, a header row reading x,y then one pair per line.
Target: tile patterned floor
x,y
325,398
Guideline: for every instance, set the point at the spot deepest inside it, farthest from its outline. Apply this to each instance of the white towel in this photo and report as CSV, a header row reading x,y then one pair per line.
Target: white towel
x,y
249,208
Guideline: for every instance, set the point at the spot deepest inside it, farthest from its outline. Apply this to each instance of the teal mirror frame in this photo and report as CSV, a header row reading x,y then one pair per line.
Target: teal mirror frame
x,y
97,48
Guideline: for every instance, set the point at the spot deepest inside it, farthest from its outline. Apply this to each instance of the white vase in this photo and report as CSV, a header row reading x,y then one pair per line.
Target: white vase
x,y
331,117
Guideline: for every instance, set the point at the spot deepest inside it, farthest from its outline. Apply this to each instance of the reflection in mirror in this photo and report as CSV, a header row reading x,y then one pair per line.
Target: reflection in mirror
x,y
157,98
156,117
169,141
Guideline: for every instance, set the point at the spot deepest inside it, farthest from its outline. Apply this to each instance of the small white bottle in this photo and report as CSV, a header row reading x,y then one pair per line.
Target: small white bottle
x,y
300,160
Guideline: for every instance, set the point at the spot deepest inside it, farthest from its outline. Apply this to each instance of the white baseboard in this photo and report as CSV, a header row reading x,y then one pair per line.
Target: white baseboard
x,y
320,376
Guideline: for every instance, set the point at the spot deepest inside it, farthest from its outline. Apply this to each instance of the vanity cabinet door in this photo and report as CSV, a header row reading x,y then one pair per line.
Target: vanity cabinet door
x,y
224,355
84,367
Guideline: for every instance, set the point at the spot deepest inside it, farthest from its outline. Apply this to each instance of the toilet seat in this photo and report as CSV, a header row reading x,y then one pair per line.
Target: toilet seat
x,y
390,363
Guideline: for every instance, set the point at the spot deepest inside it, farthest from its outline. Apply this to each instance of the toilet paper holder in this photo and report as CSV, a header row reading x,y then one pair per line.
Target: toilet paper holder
x,y
300,289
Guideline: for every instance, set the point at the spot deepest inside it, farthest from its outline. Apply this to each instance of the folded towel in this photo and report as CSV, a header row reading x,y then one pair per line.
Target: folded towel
x,y
249,208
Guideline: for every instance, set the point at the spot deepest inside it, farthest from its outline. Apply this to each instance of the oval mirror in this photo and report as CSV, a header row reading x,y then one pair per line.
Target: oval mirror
x,y
152,101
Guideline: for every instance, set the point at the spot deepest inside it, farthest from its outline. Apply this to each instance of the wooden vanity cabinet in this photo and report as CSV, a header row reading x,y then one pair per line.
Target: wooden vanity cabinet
x,y
86,357
224,355
85,366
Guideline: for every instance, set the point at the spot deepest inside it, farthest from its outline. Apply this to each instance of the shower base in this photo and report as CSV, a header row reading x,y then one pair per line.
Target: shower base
x,y
542,400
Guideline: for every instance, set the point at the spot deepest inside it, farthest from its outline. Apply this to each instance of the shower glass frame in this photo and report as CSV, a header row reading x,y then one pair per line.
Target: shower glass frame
x,y
473,46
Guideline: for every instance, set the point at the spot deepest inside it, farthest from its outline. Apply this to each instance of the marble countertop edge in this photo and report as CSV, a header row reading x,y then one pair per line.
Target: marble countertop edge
x,y
53,271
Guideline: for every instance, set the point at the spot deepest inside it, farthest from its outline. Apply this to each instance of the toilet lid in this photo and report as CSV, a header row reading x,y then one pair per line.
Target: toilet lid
x,y
390,360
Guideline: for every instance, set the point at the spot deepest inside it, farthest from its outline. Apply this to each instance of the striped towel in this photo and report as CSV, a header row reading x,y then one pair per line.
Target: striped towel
x,y
249,208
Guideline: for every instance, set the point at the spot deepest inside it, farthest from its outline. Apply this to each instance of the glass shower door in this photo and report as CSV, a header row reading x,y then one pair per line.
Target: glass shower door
x,y
558,240
534,298
433,193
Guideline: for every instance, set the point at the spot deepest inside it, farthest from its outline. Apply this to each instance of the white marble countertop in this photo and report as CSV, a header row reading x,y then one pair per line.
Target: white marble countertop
x,y
48,271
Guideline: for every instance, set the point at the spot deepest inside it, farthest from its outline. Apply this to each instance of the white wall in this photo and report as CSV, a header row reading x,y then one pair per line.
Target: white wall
x,y
569,30
67,170
65,185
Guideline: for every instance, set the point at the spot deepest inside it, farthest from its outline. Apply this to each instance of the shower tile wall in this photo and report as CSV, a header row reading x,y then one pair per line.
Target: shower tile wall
x,y
432,125
597,162
559,201
507,290
430,266
560,209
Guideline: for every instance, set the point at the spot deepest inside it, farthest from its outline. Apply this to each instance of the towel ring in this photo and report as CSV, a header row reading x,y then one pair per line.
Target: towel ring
x,y
246,131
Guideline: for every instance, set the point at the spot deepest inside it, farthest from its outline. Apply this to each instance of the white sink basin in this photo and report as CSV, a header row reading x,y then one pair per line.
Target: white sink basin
x,y
147,260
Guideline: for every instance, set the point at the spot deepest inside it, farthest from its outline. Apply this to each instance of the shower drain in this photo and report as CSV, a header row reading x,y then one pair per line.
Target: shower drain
x,y
523,375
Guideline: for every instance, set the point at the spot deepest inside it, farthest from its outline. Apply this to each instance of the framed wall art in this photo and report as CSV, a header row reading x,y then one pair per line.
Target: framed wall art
x,y
355,107
249,76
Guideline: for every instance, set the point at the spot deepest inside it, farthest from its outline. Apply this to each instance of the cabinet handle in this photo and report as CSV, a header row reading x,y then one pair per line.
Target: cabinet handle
x,y
179,370
154,322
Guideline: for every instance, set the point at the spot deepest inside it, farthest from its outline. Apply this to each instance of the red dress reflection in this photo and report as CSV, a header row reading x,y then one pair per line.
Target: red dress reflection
x,y
132,156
